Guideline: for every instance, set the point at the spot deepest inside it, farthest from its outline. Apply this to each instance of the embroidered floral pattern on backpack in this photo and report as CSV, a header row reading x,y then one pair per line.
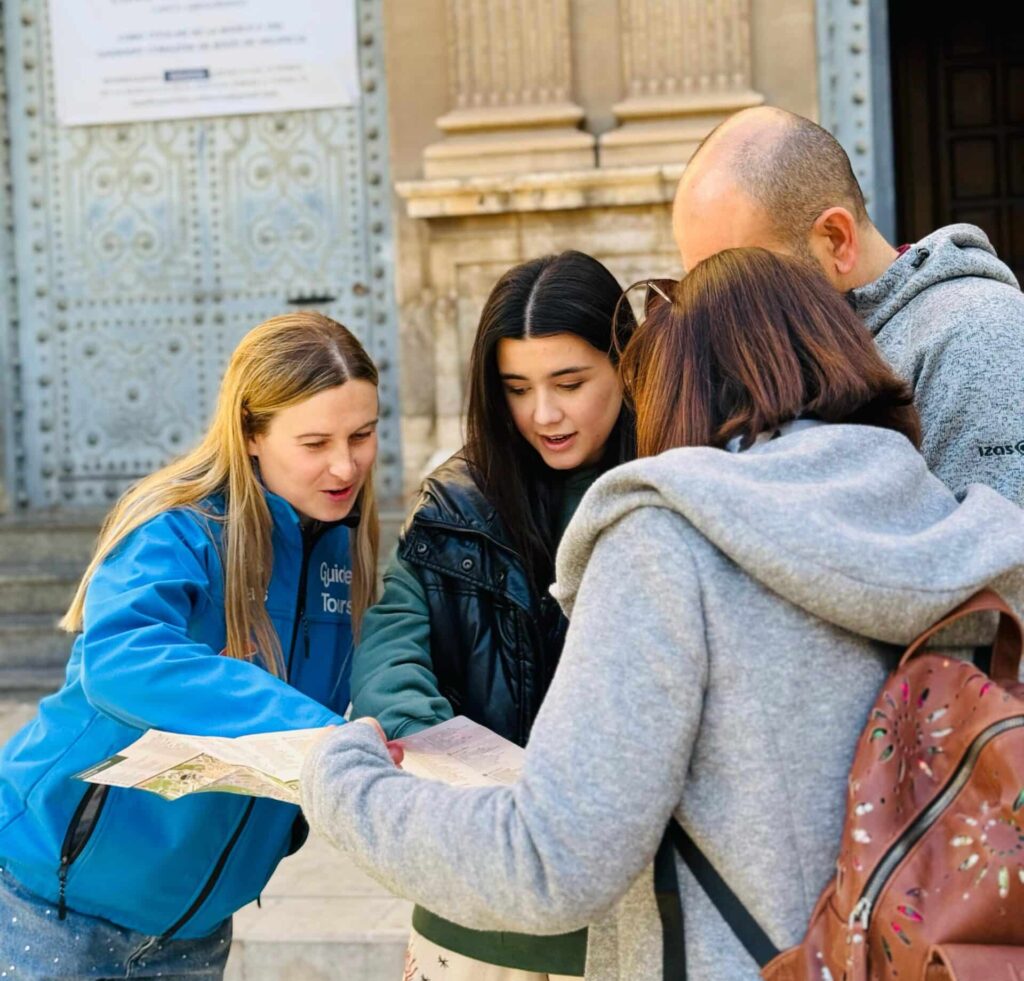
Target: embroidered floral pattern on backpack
x,y
911,914
992,840
899,931
901,728
934,812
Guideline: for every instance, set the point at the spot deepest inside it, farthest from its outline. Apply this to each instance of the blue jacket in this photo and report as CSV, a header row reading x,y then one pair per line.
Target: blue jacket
x,y
149,658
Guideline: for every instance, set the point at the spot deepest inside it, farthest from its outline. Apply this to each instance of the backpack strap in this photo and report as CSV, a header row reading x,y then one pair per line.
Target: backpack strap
x,y
670,911
748,931
1009,639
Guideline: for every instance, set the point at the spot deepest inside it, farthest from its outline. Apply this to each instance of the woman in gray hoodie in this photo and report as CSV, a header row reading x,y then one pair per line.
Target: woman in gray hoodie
x,y
736,597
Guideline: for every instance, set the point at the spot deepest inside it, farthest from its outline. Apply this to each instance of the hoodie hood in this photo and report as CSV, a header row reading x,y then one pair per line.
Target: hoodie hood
x,y
843,521
953,252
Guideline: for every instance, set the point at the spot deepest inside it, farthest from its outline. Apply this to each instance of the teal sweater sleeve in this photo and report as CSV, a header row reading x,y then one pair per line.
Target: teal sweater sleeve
x,y
393,677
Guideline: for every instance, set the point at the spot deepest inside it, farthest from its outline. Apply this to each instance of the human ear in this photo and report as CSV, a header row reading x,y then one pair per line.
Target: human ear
x,y
252,443
838,242
252,447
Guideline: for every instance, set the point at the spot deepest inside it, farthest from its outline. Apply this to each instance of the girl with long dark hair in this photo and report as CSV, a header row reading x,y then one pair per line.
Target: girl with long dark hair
x,y
465,624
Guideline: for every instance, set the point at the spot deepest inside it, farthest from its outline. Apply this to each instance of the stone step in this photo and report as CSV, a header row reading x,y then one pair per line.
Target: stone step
x,y
321,919
33,641
32,588
45,539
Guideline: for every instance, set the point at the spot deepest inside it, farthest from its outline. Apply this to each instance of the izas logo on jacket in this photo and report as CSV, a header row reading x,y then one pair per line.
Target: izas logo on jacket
x,y
1002,449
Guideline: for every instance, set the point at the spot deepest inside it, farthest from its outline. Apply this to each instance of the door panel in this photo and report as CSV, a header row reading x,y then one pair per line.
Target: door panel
x,y
958,98
145,251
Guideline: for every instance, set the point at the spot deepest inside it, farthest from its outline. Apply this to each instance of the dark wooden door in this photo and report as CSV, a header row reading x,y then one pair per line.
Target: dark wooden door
x,y
958,118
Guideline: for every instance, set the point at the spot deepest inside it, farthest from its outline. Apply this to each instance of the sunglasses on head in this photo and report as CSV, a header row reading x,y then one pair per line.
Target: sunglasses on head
x,y
656,292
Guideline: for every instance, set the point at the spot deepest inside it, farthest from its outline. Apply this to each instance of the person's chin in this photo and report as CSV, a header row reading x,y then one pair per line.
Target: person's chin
x,y
558,461
329,511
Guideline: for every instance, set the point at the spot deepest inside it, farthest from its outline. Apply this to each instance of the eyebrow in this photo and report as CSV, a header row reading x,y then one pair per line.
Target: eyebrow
x,y
372,422
554,374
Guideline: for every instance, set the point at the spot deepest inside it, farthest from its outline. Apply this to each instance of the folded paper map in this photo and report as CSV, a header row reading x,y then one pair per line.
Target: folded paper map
x,y
458,751
463,753
171,765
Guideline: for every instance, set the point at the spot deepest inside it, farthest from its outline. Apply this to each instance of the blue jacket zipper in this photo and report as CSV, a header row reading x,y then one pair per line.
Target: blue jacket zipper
x,y
80,828
214,875
309,540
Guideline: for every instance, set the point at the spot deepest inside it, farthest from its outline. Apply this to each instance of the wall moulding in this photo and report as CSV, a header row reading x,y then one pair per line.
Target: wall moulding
x,y
664,130
549,191
511,117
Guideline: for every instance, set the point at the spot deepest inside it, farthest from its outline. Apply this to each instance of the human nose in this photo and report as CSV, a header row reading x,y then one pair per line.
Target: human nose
x,y
342,465
546,409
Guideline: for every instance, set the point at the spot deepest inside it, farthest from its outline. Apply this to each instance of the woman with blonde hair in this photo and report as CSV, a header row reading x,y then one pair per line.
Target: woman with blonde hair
x,y
222,599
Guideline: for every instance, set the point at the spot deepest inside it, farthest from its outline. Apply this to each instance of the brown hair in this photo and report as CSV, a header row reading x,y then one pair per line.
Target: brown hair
x,y
749,341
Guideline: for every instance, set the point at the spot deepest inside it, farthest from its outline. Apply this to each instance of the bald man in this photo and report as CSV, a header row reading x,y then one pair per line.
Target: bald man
x,y
945,312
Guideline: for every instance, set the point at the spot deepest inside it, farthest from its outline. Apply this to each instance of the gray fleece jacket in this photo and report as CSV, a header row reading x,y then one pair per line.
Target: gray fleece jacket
x,y
949,317
731,622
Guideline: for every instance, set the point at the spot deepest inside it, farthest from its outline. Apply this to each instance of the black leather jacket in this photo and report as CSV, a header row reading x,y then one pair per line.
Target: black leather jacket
x,y
494,642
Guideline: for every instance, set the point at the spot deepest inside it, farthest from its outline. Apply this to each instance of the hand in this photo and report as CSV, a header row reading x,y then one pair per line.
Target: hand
x,y
394,749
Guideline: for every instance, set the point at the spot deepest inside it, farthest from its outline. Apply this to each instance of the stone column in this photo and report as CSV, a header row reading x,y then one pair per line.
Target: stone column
x,y
686,67
509,70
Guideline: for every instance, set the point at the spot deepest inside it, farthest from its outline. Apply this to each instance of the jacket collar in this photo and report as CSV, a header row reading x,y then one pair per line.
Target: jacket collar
x,y
451,498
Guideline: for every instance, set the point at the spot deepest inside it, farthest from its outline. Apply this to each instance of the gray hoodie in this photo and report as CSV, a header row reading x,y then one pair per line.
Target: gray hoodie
x,y
949,317
731,616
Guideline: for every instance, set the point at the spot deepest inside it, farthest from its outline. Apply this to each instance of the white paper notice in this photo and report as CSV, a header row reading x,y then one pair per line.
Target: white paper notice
x,y
462,753
118,61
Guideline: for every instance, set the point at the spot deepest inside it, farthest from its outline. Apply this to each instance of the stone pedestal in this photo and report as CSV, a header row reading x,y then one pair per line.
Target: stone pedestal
x,y
509,66
686,67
